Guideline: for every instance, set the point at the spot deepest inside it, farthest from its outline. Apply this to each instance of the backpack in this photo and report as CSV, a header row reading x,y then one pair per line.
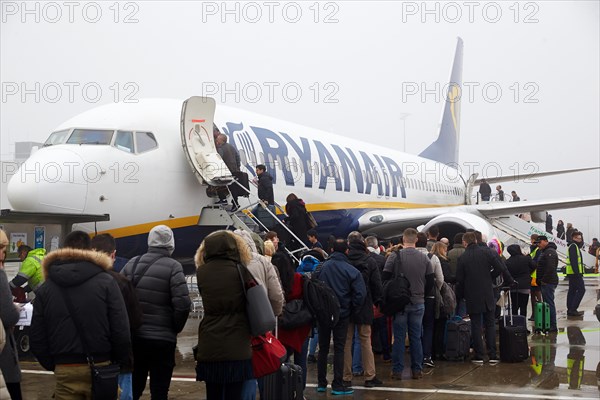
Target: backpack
x,y
321,301
295,314
396,292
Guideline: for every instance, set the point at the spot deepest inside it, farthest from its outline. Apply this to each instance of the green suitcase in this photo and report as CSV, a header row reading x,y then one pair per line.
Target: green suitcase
x,y
542,317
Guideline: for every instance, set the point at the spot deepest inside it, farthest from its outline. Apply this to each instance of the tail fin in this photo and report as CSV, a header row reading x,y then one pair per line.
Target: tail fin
x,y
445,148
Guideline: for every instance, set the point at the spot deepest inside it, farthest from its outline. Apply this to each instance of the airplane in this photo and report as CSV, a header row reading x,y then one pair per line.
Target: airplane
x,y
149,163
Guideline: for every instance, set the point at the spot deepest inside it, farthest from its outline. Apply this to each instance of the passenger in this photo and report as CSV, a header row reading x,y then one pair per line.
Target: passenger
x,y
535,290
269,249
349,287
457,250
9,315
294,340
485,190
499,193
439,327
375,252
445,241
265,185
575,273
429,314
417,268
163,293
520,267
515,197
548,277
231,158
380,337
311,234
297,219
76,299
474,284
569,233
362,317
272,236
560,229
594,246
432,236
30,274
549,223
105,243
224,354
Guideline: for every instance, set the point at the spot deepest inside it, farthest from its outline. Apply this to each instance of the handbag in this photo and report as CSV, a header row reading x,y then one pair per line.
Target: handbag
x,y
267,354
312,222
105,379
295,314
258,307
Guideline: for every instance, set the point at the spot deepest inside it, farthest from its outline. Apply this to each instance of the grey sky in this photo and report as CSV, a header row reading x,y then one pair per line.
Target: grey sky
x,y
545,52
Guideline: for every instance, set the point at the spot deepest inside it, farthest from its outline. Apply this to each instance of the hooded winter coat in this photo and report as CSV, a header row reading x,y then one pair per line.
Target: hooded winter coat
x,y
265,188
97,302
9,316
224,351
297,218
367,266
520,266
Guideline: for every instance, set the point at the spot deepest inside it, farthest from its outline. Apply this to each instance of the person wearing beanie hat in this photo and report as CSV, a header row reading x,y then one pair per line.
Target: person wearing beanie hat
x,y
163,294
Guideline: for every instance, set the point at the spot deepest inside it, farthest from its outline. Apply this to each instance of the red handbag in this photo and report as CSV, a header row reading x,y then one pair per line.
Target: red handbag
x,y
267,354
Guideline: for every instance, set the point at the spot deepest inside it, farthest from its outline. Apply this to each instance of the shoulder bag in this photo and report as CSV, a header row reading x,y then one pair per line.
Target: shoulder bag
x,y
258,307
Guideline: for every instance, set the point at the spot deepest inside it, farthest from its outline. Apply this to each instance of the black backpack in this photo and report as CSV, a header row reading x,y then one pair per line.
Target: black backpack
x,y
321,301
396,292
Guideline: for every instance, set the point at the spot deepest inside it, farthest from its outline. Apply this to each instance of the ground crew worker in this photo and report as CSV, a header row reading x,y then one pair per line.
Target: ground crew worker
x,y
575,274
30,272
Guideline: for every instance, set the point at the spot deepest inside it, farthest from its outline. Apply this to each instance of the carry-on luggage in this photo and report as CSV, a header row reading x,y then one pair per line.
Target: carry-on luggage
x,y
285,384
458,339
513,337
542,317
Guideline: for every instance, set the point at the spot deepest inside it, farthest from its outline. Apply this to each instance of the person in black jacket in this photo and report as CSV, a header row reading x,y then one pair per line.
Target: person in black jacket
x,y
362,318
79,273
474,284
560,229
547,276
485,191
105,243
297,218
520,267
163,293
265,185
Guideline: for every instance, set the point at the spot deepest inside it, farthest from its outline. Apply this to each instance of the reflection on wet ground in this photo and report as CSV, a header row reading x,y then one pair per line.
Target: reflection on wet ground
x,y
561,366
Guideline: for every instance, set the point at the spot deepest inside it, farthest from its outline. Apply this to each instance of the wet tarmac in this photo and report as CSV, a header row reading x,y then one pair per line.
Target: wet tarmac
x,y
545,375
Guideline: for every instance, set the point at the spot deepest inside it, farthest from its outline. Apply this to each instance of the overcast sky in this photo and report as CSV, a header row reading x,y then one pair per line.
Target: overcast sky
x,y
533,69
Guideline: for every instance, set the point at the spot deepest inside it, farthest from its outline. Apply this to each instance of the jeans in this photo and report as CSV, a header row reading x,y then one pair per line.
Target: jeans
x,y
410,320
312,347
428,321
299,359
357,365
490,333
380,328
576,292
125,386
339,332
156,357
249,390
548,296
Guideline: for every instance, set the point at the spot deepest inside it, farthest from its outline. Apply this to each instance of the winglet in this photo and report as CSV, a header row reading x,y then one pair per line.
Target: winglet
x,y
445,148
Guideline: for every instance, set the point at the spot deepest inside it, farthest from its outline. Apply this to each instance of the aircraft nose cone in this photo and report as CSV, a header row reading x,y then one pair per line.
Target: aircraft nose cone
x,y
51,180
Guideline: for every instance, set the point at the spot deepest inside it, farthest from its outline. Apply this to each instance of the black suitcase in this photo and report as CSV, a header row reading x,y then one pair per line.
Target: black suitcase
x,y
242,179
513,336
285,384
458,339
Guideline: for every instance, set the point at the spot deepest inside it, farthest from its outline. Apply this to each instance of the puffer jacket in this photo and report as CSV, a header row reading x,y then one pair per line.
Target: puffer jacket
x,y
224,332
546,266
97,303
520,266
264,272
162,293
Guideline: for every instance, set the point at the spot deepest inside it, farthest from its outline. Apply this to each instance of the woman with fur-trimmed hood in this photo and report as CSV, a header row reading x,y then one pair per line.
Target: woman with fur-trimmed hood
x,y
224,356
77,273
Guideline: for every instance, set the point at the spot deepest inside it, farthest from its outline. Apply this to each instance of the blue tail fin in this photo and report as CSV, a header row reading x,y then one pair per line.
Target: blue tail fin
x,y
445,148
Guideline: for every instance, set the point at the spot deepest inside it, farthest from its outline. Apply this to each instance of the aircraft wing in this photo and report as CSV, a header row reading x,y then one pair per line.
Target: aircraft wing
x,y
499,209
513,177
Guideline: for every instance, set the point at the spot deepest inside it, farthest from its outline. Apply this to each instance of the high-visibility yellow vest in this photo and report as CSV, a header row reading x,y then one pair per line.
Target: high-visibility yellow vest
x,y
574,382
534,273
569,267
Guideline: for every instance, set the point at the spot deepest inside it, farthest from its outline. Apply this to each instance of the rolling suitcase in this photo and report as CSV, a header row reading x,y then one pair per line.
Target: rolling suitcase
x,y
513,337
542,317
285,384
458,339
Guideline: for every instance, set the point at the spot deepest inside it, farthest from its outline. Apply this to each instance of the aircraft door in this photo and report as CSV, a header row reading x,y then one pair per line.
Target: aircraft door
x,y
197,115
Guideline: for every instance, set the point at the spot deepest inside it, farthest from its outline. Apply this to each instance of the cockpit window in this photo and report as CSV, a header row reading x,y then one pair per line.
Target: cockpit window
x,y
124,141
58,137
90,136
145,141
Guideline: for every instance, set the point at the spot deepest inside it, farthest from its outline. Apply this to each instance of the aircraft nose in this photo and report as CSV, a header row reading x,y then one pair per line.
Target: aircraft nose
x,y
51,180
